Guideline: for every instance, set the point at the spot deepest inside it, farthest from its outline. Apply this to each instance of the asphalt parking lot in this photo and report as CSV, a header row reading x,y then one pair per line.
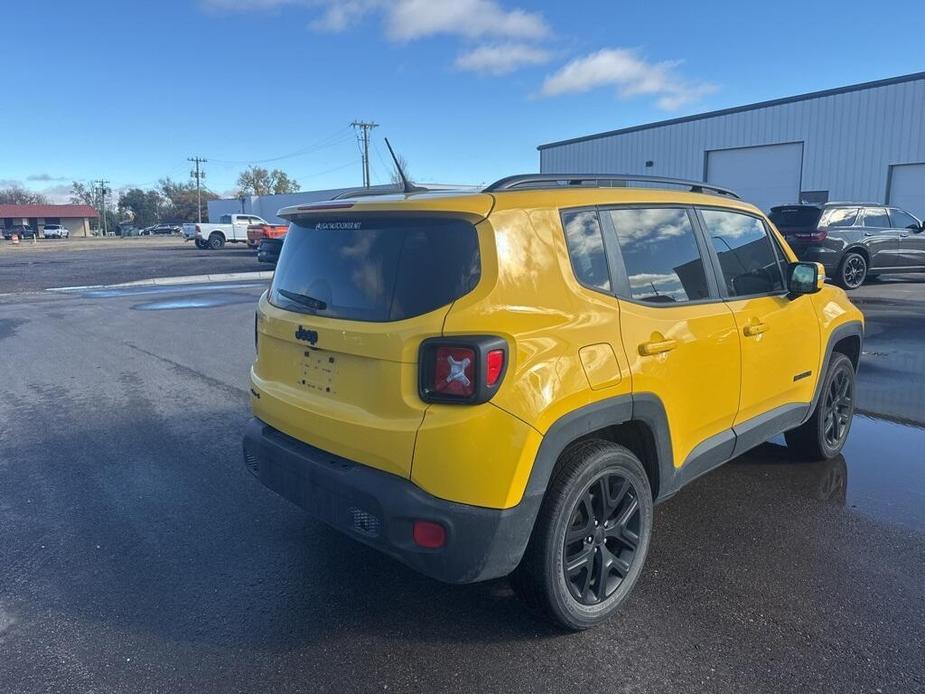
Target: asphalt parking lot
x,y
138,554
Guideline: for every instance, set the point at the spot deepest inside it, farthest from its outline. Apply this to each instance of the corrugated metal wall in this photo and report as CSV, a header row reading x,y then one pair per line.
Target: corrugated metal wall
x,y
850,140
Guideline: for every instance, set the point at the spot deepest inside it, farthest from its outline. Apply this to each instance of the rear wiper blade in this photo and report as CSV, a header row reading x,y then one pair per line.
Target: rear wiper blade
x,y
304,299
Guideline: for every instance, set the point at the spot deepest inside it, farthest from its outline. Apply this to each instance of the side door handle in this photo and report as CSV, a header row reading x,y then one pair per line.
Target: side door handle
x,y
755,329
868,233
647,349
902,236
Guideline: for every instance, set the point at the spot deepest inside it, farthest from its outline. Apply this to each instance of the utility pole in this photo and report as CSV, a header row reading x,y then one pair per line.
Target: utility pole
x,y
198,175
100,189
365,127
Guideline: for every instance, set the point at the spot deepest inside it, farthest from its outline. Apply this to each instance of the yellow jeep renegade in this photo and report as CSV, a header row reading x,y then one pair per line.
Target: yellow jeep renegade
x,y
506,381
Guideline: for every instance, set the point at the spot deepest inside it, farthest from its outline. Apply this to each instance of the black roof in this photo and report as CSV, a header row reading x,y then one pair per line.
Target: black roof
x,y
739,109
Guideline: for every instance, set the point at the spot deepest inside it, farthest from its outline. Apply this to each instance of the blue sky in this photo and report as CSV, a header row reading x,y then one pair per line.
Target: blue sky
x,y
464,89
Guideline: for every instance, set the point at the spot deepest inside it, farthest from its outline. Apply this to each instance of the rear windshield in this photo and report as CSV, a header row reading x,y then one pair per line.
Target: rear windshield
x,y
796,216
375,268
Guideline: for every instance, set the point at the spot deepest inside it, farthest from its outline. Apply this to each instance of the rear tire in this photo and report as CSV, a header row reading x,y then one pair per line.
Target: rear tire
x,y
591,537
216,241
823,435
852,271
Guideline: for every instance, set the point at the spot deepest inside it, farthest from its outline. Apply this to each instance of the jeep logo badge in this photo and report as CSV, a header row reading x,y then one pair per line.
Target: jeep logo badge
x,y
309,336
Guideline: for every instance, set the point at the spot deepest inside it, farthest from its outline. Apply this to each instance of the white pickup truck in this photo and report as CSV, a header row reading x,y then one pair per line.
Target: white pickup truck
x,y
231,228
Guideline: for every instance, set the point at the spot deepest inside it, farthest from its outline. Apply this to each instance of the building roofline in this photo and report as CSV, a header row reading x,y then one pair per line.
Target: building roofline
x,y
739,109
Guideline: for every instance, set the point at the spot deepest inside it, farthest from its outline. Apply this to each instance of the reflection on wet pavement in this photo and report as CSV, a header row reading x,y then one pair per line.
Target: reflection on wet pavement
x,y
202,301
880,474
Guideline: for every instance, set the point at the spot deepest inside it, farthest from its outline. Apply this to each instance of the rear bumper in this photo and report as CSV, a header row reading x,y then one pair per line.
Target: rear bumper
x,y
379,509
815,253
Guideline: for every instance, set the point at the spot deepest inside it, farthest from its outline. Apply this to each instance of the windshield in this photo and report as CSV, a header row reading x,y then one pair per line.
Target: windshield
x,y
382,268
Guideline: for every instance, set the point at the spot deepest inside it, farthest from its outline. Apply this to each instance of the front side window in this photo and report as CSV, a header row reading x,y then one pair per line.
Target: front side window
x,y
902,220
586,249
662,259
746,254
875,218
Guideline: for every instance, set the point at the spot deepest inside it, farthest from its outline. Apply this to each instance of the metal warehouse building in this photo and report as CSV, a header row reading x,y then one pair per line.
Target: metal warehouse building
x,y
865,142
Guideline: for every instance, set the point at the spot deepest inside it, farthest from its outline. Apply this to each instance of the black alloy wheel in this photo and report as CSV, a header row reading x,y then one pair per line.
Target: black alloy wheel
x,y
602,537
838,408
853,271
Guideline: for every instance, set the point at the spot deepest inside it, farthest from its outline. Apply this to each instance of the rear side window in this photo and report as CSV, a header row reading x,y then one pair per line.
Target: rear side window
x,y
586,249
839,217
662,259
375,268
746,253
876,218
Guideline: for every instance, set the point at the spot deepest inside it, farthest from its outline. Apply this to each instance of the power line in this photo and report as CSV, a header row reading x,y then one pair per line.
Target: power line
x,y
364,127
198,175
336,138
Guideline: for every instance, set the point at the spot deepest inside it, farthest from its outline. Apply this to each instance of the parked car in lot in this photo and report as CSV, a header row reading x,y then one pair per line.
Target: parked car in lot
x,y
56,231
23,231
257,232
268,251
232,228
505,382
160,229
853,241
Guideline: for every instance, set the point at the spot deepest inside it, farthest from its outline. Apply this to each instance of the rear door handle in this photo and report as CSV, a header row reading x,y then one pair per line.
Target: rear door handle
x,y
755,329
868,233
902,236
647,349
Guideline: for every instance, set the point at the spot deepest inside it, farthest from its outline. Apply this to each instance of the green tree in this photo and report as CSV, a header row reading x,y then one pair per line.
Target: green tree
x,y
145,204
181,201
17,195
259,181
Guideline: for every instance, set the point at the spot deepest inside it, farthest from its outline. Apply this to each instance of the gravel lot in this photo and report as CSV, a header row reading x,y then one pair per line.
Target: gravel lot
x,y
110,260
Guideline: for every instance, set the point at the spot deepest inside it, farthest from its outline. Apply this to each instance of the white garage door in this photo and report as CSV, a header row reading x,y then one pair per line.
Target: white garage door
x,y
764,176
907,188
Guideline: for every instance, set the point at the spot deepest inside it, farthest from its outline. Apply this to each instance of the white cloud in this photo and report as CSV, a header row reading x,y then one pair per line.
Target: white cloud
x,y
406,20
630,74
412,19
501,59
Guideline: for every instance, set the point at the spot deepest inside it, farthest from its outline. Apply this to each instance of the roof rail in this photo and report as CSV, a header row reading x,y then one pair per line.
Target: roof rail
x,y
598,181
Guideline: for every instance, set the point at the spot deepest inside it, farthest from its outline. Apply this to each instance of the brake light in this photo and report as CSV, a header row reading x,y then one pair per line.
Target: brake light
x,y
428,534
463,370
454,371
820,234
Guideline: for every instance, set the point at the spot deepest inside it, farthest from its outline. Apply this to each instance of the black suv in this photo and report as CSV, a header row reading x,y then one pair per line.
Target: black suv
x,y
854,241
23,231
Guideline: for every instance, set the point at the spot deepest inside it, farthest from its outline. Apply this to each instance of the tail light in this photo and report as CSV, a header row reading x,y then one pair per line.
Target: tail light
x,y
428,534
198,229
467,369
820,234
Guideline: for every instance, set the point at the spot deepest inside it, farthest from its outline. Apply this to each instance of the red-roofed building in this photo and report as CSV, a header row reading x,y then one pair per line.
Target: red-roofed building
x,y
75,218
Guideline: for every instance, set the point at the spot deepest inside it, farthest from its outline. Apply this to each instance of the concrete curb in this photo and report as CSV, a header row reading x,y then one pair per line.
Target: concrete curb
x,y
168,281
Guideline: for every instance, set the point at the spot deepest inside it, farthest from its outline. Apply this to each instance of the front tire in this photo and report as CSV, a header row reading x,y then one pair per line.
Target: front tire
x,y
823,435
852,271
216,241
591,536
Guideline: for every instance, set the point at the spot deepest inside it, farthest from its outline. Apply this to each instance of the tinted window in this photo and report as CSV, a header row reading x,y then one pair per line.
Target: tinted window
x,y
375,268
876,218
902,220
746,254
839,217
225,219
660,252
586,249
796,216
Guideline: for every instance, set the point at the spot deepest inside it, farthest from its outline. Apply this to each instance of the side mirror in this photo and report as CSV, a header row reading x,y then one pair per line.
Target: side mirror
x,y
805,278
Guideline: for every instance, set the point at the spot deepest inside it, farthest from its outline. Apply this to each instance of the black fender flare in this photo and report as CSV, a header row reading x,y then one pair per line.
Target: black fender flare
x,y
853,328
